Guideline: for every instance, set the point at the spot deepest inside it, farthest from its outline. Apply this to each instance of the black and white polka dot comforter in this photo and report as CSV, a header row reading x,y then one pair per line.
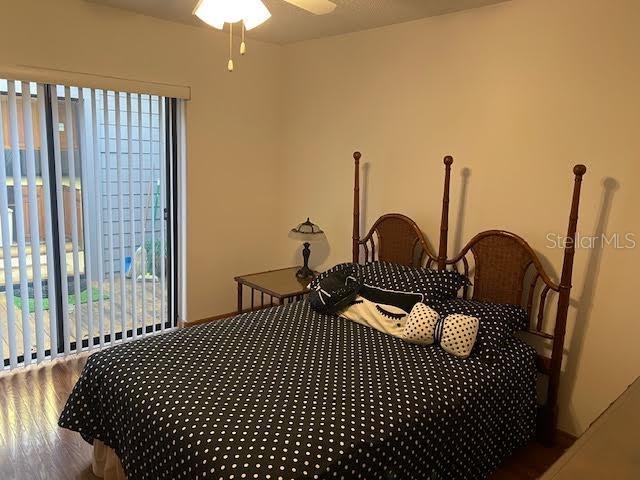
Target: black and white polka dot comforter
x,y
289,393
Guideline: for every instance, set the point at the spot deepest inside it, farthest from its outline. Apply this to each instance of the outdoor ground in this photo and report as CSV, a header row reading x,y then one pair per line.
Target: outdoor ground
x,y
112,300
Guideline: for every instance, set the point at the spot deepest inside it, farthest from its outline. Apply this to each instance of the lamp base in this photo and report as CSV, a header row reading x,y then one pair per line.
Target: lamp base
x,y
305,271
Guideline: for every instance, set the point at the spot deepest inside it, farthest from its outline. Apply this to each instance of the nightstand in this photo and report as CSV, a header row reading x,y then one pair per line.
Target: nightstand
x,y
264,287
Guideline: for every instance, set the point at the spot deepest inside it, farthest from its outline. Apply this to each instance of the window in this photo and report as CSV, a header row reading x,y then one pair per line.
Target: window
x,y
87,231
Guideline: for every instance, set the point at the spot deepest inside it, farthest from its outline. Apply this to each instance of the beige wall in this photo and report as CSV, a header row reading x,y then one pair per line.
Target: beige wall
x,y
518,93
233,120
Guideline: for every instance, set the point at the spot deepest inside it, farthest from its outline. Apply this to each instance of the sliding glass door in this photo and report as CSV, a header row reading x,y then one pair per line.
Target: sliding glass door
x,y
86,218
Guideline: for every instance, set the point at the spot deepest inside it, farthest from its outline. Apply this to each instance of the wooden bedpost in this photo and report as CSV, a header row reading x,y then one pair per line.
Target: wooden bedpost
x,y
356,209
444,222
549,412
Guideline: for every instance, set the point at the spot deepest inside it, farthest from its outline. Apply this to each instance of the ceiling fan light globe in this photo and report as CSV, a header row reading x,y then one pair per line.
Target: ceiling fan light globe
x,y
218,12
256,14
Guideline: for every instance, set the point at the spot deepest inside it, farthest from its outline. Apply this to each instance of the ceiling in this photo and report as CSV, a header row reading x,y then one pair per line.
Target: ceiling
x,y
290,24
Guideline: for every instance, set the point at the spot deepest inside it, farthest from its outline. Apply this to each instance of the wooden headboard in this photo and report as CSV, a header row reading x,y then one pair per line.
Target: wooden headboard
x,y
502,267
394,237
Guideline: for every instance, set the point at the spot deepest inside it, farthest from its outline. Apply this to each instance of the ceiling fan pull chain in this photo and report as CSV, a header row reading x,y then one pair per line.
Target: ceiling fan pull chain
x,y
251,13
243,45
230,65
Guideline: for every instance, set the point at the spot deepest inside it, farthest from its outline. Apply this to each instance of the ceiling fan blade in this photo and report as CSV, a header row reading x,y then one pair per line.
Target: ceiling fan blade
x,y
318,7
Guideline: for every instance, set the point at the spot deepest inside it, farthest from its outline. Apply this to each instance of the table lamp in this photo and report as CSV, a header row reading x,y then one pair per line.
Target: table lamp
x,y
307,232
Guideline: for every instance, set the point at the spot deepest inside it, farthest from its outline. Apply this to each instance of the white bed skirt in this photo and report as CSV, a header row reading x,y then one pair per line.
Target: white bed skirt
x,y
105,463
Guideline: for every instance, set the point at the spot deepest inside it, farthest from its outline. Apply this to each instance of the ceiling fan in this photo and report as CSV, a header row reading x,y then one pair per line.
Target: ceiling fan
x,y
251,13
317,7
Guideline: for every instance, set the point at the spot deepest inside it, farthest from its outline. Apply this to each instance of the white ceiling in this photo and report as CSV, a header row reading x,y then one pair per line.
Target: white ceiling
x,y
290,24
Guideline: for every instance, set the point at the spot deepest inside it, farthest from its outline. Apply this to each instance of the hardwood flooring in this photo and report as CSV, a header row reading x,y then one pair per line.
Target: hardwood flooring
x,y
33,447
31,444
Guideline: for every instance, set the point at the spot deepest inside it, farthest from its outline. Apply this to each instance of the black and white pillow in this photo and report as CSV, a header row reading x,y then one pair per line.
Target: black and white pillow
x,y
455,333
351,268
431,284
458,334
334,292
420,327
497,322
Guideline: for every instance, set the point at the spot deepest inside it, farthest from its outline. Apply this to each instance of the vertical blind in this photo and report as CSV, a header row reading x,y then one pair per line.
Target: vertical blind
x,y
84,194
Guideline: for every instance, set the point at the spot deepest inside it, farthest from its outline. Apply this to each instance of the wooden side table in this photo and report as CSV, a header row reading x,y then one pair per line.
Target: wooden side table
x,y
282,285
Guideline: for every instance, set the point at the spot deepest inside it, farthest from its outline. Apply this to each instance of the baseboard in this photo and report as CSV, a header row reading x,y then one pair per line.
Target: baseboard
x,y
565,439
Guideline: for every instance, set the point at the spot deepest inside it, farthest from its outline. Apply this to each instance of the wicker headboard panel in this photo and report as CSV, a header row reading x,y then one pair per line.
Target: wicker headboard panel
x,y
397,239
505,269
501,262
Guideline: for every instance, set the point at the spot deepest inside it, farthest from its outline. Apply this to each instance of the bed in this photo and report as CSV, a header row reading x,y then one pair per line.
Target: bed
x,y
287,392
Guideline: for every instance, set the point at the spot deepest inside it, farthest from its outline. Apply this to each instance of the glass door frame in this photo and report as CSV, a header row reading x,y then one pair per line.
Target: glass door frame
x,y
170,216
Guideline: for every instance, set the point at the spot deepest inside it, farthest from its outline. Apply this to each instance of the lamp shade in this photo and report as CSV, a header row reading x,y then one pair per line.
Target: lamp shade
x,y
218,12
307,231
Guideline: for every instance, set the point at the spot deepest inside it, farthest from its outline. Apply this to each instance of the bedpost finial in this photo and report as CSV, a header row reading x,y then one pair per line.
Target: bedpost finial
x,y
357,156
579,170
448,160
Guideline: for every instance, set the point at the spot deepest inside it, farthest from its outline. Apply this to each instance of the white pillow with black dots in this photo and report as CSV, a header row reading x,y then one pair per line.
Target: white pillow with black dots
x,y
455,333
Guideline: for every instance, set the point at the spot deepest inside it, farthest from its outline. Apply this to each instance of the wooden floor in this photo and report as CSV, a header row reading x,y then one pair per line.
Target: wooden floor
x,y
33,447
31,444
